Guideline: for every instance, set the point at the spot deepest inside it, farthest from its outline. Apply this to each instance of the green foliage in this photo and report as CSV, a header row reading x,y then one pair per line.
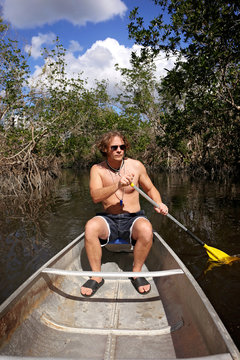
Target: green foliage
x,y
57,116
138,95
200,96
13,74
188,119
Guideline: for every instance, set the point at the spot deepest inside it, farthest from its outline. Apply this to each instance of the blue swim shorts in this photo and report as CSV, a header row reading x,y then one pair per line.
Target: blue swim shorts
x,y
120,225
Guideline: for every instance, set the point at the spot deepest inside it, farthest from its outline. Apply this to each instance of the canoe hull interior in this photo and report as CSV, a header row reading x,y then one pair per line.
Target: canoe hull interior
x,y
48,317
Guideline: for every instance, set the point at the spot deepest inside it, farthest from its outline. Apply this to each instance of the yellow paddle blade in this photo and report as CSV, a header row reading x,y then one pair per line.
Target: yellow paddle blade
x,y
226,261
215,254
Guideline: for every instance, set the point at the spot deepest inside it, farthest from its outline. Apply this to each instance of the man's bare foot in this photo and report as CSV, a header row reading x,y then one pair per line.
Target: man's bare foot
x,y
91,286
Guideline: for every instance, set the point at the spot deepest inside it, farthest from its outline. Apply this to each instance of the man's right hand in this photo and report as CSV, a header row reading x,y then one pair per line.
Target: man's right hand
x,y
125,180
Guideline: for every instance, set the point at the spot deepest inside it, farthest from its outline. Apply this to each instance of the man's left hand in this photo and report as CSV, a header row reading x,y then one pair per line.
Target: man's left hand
x,y
163,209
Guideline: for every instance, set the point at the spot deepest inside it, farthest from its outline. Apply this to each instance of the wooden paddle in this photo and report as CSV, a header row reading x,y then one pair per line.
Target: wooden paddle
x,y
213,253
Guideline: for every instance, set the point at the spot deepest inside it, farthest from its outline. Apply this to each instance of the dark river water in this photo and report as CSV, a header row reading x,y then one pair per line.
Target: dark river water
x,y
33,232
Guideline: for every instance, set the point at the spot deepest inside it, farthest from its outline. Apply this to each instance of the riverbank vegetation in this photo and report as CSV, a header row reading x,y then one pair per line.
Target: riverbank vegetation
x,y
188,120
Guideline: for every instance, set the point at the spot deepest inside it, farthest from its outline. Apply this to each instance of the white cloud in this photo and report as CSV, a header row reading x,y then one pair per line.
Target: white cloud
x,y
32,13
98,62
37,42
74,46
36,46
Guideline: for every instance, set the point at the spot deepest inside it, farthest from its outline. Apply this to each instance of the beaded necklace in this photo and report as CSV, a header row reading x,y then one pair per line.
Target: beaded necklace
x,y
113,169
117,172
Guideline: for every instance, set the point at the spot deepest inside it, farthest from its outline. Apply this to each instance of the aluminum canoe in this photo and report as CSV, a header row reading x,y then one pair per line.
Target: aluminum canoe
x,y
47,318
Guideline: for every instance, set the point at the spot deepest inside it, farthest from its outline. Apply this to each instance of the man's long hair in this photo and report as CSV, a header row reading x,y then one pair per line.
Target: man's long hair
x,y
106,138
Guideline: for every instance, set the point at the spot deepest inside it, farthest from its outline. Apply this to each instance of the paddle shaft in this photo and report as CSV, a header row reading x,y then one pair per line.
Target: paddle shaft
x,y
168,215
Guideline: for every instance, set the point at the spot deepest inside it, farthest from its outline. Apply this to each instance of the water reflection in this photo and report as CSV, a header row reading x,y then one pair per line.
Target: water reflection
x,y
31,233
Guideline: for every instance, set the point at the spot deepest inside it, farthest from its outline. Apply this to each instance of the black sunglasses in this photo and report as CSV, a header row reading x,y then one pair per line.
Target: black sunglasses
x,y
115,147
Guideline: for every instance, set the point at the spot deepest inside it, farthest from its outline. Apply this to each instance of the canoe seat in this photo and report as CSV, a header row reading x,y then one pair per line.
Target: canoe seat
x,y
119,245
118,241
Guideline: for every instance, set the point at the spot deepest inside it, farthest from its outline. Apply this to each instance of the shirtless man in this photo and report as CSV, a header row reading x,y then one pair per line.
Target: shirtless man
x,y
110,184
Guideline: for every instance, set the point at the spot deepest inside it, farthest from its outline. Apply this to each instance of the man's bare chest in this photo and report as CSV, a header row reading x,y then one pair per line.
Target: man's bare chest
x,y
110,177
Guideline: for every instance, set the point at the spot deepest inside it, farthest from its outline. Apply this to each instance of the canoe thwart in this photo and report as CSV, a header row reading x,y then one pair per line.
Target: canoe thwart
x,y
112,274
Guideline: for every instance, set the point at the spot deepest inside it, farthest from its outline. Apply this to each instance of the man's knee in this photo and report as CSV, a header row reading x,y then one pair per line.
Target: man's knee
x,y
90,226
95,227
143,229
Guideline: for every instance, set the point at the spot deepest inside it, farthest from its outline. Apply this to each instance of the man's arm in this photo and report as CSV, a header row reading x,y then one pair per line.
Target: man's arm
x,y
147,185
99,192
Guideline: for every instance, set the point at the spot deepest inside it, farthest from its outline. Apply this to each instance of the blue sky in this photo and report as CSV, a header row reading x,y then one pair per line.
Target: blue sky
x,y
94,32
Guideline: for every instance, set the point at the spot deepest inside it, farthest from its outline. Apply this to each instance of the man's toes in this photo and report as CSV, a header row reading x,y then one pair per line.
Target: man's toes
x,y
147,288
86,291
144,289
141,285
141,289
